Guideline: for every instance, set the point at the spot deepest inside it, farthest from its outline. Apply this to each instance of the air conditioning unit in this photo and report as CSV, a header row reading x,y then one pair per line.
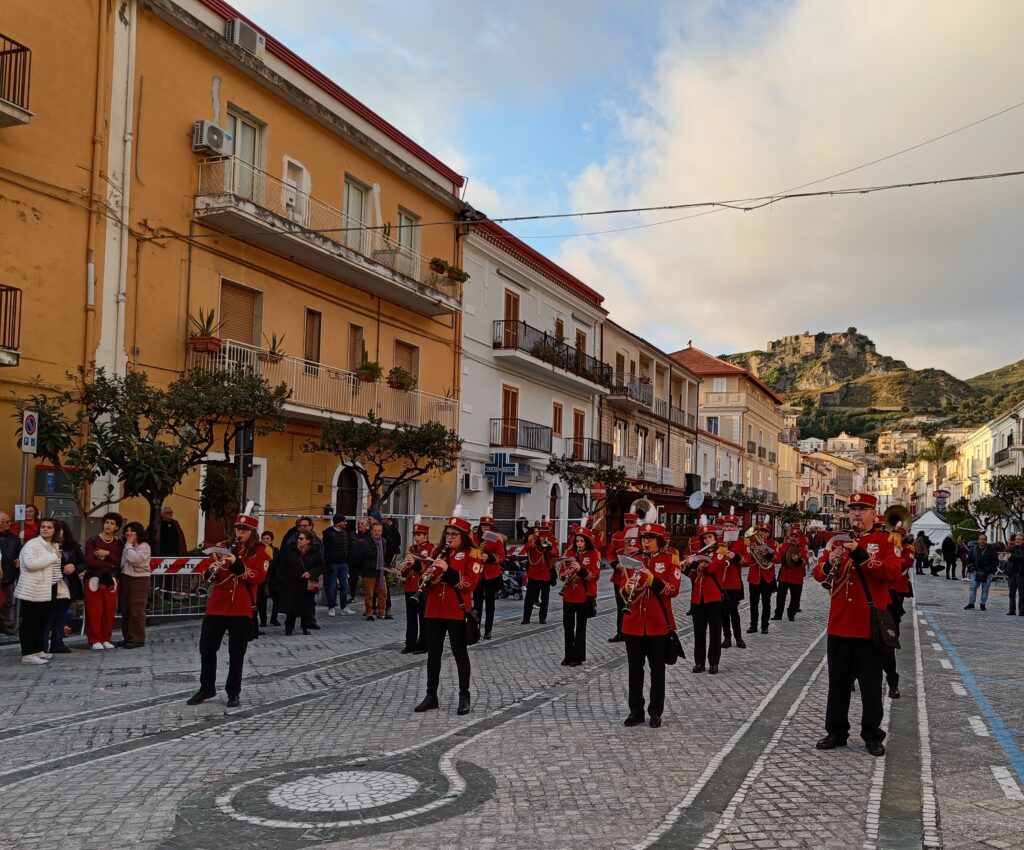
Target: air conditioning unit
x,y
209,138
247,37
289,199
472,482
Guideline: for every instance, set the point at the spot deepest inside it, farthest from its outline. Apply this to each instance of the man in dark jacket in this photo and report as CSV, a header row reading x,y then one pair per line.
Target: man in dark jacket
x,y
10,549
984,562
949,555
336,548
370,555
1015,575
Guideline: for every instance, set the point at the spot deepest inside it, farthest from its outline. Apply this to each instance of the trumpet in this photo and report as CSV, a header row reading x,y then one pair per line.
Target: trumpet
x,y
566,571
830,570
632,591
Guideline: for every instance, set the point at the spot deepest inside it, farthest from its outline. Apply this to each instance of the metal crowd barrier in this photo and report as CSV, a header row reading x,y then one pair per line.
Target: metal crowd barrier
x,y
177,588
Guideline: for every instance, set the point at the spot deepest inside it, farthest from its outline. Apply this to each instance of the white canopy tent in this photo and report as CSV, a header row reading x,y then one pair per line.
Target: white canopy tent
x,y
934,527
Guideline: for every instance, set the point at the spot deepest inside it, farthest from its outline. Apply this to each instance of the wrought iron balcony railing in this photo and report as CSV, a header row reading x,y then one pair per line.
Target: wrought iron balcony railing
x,y
514,334
15,72
588,450
520,434
626,385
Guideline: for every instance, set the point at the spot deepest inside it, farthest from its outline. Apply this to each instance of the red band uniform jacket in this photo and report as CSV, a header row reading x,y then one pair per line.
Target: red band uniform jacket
x,y
412,577
616,546
584,583
709,576
234,595
733,571
901,586
645,617
756,575
848,614
538,559
493,553
791,575
443,596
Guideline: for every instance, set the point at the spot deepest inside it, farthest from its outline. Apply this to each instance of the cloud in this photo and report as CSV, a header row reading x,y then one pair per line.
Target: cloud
x,y
751,100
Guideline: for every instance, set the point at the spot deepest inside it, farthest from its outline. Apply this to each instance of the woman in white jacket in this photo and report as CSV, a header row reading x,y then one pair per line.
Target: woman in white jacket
x,y
37,588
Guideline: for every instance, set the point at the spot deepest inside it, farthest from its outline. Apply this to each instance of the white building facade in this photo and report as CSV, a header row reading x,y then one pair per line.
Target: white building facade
x,y
532,378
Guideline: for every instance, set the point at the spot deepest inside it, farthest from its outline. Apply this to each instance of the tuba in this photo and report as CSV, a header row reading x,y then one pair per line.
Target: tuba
x,y
896,516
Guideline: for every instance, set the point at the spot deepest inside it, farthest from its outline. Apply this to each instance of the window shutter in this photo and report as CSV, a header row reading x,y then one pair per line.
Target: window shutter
x,y
238,313
406,357
311,347
355,347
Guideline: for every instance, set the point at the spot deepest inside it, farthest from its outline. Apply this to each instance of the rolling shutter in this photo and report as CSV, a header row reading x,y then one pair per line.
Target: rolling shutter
x,y
238,313
355,347
407,357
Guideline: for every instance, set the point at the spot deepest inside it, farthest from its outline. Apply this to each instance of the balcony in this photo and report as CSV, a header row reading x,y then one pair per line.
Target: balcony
x,y
320,391
751,447
10,325
1002,456
661,408
520,434
762,452
772,457
248,203
15,80
629,391
540,353
588,450
742,400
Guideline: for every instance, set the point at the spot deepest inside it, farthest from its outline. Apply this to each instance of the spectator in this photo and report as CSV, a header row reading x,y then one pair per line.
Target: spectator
x,y
10,550
336,546
361,533
393,539
963,553
300,570
72,560
135,575
921,547
37,588
984,562
522,528
370,557
166,538
1015,575
304,523
102,569
31,524
268,588
949,555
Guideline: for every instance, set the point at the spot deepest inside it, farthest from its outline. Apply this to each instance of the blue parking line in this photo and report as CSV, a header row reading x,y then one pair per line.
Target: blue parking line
x,y
1000,731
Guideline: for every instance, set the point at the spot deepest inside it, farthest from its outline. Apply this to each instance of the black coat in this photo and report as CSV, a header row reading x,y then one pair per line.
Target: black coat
x,y
292,594
984,561
336,545
10,549
363,557
948,549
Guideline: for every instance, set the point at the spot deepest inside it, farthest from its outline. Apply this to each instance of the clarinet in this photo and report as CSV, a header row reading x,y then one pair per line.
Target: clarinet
x,y
425,580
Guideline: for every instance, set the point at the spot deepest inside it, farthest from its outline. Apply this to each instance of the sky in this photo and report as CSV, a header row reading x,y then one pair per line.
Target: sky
x,y
582,105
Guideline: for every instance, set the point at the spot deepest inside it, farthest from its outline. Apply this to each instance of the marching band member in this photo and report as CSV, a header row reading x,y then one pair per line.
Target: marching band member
x,y
901,589
760,575
791,556
540,557
707,572
867,560
450,581
581,574
235,578
648,593
619,545
493,552
412,571
732,584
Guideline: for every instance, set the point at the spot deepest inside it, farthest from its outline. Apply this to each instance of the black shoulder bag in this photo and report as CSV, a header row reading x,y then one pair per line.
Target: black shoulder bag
x,y
472,624
884,633
675,647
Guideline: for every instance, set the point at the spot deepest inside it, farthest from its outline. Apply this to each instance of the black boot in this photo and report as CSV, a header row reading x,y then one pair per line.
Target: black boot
x,y
726,642
740,643
200,696
752,630
429,704
463,703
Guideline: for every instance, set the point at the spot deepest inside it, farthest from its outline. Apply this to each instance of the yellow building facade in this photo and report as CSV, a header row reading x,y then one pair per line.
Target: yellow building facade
x,y
189,162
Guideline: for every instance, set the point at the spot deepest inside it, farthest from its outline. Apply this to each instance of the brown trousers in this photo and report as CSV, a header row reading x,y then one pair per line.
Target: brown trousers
x,y
133,617
375,596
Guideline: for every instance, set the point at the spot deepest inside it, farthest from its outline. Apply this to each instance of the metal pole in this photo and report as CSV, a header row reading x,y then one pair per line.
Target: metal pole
x,y
24,491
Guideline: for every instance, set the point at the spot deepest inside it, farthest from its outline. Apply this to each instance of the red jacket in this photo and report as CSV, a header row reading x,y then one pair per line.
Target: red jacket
x,y
584,583
615,548
645,617
443,596
849,614
906,556
708,578
756,575
415,572
493,553
791,575
234,595
733,569
539,560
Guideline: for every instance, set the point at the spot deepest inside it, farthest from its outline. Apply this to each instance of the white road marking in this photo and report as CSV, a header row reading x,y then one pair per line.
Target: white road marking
x,y
1006,781
929,804
937,647
958,689
929,632
875,791
978,725
945,662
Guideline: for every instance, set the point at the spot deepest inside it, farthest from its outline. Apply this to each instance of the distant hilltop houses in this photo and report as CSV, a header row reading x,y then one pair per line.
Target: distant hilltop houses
x,y
808,344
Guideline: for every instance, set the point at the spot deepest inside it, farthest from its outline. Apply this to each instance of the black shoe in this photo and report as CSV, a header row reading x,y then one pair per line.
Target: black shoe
x,y
655,722
982,606
575,663
727,643
407,650
429,704
712,669
830,742
894,692
234,702
792,617
288,633
263,624
369,619
616,638
565,662
130,644
876,748
275,622
200,696
764,630
487,635
63,650
776,616
752,630
120,643
305,631
314,626
420,650
740,644
1011,613
388,617
697,668
463,704
542,622
525,623
968,606
633,720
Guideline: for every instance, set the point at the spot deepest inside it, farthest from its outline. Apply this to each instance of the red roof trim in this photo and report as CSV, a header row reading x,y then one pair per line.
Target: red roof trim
x,y
515,245
699,365
293,60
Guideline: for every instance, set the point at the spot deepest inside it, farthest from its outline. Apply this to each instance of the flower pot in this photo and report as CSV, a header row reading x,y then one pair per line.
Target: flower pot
x,y
270,357
395,385
366,377
205,344
438,268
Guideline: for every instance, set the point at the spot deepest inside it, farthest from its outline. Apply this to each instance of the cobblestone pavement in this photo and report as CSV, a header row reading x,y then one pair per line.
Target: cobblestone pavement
x,y
98,750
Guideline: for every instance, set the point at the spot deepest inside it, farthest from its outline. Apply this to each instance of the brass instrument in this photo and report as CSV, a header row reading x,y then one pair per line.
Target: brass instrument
x,y
830,568
631,590
895,517
762,554
566,571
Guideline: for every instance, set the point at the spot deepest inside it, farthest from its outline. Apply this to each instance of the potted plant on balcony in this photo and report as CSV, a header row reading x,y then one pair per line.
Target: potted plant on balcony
x,y
544,349
645,379
438,266
369,371
457,274
401,379
274,352
204,329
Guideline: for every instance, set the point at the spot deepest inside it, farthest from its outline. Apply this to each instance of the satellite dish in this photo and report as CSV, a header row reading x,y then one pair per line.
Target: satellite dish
x,y
695,500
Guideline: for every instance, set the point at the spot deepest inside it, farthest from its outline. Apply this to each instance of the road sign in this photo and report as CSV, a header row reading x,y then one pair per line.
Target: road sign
x,y
29,431
598,491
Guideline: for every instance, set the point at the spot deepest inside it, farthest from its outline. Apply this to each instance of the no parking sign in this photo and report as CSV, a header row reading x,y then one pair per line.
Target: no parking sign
x,y
29,431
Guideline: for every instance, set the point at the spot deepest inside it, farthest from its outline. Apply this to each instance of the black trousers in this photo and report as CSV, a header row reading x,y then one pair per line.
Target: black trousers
x,y
35,617
950,565
889,655
415,630
261,602
305,620
761,594
211,635
535,589
920,562
620,603
795,592
456,632
707,618
574,622
483,601
852,659
651,650
731,613
1015,585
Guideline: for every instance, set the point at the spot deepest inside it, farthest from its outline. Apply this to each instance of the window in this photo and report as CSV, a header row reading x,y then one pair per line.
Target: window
x,y
247,135
556,418
311,342
239,313
719,385
620,364
641,445
355,216
407,357
559,329
579,425
356,347
689,458
750,433
408,241
619,438
659,451
581,342
294,198
511,315
760,438
711,425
